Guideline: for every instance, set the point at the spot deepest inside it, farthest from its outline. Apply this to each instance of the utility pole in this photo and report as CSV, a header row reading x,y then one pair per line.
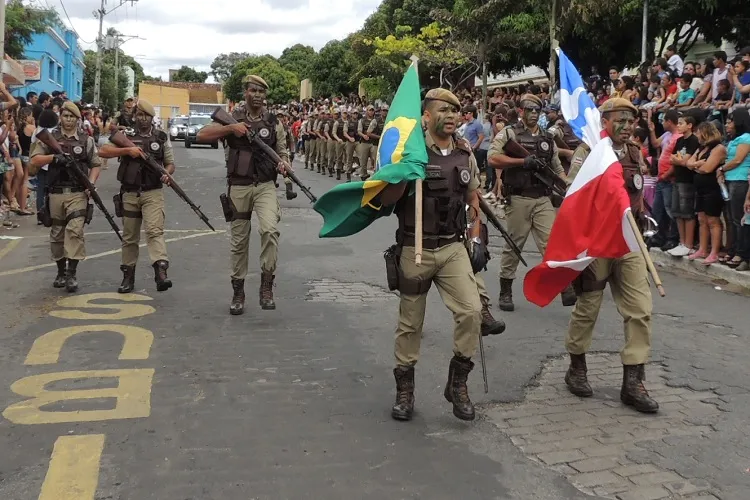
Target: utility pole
x,y
114,42
2,36
99,14
644,34
553,44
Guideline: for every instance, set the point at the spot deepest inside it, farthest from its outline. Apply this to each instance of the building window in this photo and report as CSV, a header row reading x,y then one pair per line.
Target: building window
x,y
78,87
59,74
175,110
52,70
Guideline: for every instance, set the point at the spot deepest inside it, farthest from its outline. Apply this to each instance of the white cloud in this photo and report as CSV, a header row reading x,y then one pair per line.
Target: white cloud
x,y
194,32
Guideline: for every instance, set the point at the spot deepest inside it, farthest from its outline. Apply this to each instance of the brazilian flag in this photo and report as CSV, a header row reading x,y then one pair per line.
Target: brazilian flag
x,y
402,155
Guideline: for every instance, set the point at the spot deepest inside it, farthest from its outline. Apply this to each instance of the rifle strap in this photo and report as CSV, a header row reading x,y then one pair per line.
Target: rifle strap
x,y
131,214
237,215
72,215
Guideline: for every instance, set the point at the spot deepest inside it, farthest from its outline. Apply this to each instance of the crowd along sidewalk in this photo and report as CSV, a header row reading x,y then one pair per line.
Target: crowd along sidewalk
x,y
715,272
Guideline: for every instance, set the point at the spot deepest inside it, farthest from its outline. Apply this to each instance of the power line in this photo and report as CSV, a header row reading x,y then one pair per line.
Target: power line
x,y
71,23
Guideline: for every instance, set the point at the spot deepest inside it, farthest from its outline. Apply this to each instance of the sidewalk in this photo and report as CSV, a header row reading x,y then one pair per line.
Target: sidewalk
x,y
696,268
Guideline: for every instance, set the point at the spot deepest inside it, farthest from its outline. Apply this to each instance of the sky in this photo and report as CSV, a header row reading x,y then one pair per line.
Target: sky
x,y
194,32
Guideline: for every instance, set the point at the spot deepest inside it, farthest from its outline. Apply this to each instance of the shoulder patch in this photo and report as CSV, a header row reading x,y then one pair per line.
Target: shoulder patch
x,y
161,135
462,144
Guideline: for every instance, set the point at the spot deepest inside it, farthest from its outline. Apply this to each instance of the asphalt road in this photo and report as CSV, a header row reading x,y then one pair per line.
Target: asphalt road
x,y
295,403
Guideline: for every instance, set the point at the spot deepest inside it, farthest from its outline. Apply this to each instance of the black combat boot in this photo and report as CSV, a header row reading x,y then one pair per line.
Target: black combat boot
x,y
318,168
60,278
330,172
71,282
348,177
266,291
290,194
576,379
160,276
505,301
456,391
633,393
491,326
568,296
404,406
338,175
128,279
237,306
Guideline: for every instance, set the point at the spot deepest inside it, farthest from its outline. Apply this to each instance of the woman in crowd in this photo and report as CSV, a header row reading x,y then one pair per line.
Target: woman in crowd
x,y
25,127
735,173
708,201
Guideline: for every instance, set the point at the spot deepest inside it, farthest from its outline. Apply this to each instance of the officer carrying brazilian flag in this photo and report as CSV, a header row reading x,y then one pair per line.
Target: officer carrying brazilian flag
x,y
436,168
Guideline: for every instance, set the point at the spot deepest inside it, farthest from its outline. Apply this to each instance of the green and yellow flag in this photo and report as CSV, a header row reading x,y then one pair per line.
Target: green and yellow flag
x,y
402,156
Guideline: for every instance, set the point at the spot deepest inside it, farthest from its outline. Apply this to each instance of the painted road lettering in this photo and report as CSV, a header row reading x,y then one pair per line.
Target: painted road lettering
x,y
73,473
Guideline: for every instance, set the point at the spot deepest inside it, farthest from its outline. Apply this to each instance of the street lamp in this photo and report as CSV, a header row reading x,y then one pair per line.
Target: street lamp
x,y
114,42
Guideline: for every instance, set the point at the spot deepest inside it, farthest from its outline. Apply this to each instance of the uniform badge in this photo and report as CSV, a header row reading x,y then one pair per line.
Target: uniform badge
x,y
155,146
464,176
264,133
78,150
638,181
544,146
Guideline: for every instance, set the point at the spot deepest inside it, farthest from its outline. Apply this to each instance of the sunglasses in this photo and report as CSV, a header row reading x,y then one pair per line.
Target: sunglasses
x,y
532,109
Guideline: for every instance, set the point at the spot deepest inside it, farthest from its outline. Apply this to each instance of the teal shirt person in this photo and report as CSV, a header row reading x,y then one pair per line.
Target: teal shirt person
x,y
741,172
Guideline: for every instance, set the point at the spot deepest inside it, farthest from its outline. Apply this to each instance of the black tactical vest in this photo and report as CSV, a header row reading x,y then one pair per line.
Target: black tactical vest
x,y
365,126
246,163
339,124
521,181
351,129
443,197
631,168
133,173
569,137
378,130
126,120
59,175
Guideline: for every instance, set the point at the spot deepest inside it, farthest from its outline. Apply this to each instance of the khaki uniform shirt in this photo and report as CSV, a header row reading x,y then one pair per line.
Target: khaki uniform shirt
x,y
39,148
502,138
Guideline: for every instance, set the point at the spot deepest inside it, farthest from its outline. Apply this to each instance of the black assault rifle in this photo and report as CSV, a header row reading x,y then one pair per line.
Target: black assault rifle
x,y
492,218
222,117
121,140
543,171
46,138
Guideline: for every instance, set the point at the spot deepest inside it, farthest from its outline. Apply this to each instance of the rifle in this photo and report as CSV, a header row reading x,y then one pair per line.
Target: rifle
x,y
492,219
545,174
121,140
222,117
46,138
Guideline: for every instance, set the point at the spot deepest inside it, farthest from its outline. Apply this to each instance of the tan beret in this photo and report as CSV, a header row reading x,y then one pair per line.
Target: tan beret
x,y
617,104
531,98
146,107
444,95
255,79
71,106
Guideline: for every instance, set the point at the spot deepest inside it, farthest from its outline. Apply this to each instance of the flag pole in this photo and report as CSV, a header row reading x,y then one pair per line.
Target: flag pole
x,y
417,204
646,255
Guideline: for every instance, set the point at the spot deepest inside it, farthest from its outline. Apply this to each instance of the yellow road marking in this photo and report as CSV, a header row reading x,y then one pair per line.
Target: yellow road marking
x,y
9,247
104,254
73,472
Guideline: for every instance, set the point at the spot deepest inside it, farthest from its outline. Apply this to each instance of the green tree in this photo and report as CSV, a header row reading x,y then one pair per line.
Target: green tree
x,y
188,74
283,85
107,97
222,66
232,87
332,71
299,59
21,22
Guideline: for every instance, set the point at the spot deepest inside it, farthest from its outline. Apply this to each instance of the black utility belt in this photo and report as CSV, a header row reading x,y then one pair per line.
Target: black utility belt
x,y
138,190
530,192
65,190
430,243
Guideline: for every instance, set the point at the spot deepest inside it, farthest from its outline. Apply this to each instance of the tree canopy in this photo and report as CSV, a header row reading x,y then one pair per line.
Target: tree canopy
x,y
21,22
456,39
188,74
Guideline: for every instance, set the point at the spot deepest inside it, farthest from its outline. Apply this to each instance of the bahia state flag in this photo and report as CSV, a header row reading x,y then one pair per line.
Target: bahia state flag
x,y
402,155
592,221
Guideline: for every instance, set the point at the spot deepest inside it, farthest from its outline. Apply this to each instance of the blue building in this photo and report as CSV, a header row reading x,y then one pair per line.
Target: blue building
x,y
53,61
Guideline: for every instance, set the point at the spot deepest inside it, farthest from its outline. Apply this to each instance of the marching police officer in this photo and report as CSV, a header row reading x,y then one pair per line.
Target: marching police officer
x,y
251,176
529,208
627,277
351,120
368,146
311,152
67,201
452,182
563,134
142,197
323,141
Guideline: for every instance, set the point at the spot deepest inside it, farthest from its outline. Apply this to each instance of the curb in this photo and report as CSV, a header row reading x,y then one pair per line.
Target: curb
x,y
696,268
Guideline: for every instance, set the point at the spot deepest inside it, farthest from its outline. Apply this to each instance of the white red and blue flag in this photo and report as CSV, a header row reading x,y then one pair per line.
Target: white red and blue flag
x,y
592,220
